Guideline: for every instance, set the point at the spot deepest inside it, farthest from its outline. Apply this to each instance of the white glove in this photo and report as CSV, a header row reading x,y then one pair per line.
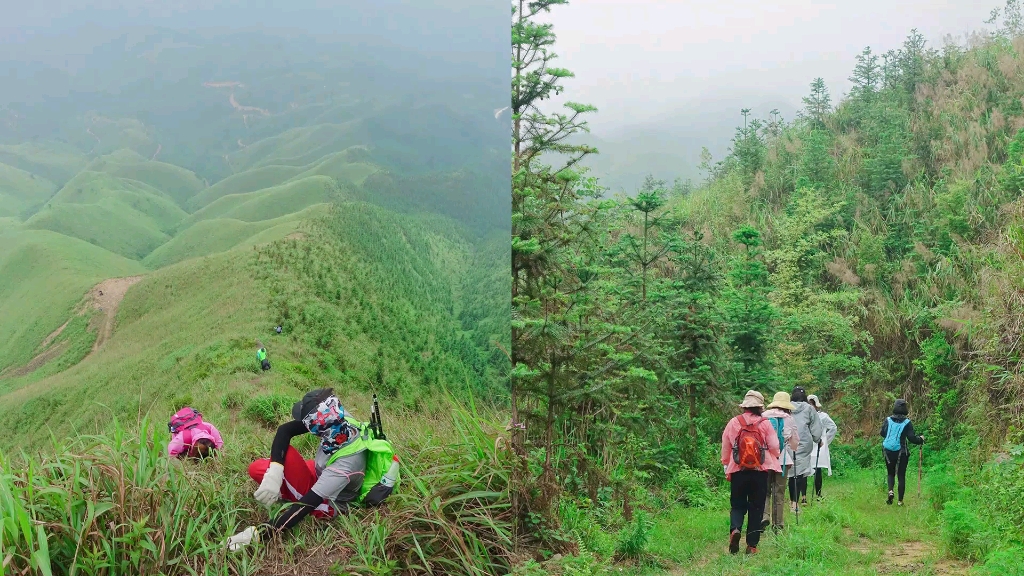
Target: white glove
x,y
270,489
243,538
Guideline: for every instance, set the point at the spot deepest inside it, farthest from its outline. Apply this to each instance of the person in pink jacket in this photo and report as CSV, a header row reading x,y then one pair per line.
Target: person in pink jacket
x,y
750,450
192,437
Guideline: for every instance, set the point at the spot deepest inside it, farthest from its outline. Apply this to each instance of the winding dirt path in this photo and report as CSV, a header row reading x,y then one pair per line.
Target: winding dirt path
x,y
106,297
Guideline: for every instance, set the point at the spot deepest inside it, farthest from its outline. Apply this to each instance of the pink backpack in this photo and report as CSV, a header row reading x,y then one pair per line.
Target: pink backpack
x,y
184,419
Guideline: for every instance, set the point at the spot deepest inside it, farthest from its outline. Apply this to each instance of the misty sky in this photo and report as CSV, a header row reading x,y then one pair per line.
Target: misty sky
x,y
636,59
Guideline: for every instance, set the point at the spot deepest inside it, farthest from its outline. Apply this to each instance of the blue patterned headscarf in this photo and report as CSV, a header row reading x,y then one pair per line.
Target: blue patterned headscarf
x,y
328,423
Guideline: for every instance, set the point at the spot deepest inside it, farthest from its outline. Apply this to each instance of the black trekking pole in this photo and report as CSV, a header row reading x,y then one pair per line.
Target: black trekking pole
x,y
375,422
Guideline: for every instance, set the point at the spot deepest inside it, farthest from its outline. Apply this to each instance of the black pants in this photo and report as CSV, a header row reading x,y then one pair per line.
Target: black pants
x,y
749,493
797,488
818,473
265,365
896,466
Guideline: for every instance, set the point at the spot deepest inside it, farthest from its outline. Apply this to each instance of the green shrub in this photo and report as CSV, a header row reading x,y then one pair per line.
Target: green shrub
x,y
1005,562
268,409
961,526
635,537
181,400
233,400
690,487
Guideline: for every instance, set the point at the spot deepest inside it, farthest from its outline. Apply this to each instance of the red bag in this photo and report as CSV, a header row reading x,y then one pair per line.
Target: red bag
x,y
750,448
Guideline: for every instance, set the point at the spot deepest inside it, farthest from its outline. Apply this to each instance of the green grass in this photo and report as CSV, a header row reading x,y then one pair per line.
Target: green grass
x,y
852,532
108,224
53,161
299,146
22,192
208,237
269,203
242,182
43,275
177,183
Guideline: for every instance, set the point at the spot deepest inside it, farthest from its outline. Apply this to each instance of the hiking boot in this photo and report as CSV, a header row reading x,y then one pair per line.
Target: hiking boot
x,y
900,503
751,549
734,542
792,507
764,524
891,496
804,500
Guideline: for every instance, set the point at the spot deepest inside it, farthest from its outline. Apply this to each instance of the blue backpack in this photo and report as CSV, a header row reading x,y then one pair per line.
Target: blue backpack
x,y
893,436
778,424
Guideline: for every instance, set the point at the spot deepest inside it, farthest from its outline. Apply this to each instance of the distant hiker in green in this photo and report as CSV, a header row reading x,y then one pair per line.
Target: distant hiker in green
x,y
822,456
261,356
354,463
897,431
779,414
750,451
809,427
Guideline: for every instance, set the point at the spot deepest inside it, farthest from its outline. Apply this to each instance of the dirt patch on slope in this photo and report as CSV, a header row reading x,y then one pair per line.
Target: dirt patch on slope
x,y
106,297
914,557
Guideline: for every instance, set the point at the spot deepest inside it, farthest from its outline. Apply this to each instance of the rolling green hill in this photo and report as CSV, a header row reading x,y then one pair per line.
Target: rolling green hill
x,y
22,192
43,275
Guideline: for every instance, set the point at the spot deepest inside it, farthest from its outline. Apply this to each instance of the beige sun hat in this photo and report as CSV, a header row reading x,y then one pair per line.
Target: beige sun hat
x,y
752,399
781,400
812,399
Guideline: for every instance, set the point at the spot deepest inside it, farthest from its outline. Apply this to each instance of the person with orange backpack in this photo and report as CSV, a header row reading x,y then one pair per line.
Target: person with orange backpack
x,y
750,450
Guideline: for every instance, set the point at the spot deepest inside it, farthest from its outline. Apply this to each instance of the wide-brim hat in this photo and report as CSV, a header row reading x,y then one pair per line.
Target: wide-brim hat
x,y
813,399
781,400
752,399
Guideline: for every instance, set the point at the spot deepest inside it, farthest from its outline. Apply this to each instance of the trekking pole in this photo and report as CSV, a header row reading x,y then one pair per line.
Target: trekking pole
x,y
921,462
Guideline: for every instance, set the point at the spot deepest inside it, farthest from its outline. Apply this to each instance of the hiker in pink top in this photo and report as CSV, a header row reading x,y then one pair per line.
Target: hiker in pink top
x,y
750,450
192,437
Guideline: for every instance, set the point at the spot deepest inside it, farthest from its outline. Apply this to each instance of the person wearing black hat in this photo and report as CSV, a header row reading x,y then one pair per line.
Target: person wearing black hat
x,y
323,486
810,429
897,431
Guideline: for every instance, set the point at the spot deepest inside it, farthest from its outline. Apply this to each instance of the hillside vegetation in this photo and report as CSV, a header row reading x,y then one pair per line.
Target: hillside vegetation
x,y
154,232
867,250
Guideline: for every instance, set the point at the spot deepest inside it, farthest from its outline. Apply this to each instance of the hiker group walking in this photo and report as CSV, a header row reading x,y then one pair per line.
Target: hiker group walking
x,y
769,449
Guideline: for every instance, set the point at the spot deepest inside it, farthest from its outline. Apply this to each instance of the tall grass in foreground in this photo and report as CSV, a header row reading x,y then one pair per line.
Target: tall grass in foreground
x,y
116,504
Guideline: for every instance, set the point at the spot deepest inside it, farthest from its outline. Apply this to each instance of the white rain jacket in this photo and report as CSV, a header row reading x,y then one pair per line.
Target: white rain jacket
x,y
823,458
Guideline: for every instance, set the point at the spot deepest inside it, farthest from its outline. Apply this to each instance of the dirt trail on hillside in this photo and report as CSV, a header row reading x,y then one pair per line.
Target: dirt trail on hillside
x,y
106,297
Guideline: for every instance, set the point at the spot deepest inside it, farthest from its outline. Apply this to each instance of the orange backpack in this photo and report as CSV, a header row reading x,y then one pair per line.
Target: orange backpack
x,y
750,447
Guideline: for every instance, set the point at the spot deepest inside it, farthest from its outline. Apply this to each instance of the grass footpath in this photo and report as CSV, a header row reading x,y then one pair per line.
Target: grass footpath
x,y
852,532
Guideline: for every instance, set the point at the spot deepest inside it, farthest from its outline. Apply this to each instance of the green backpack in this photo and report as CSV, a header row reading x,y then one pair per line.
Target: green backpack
x,y
382,471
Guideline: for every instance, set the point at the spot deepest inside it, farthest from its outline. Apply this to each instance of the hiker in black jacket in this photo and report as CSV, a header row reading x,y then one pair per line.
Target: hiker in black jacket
x,y
897,431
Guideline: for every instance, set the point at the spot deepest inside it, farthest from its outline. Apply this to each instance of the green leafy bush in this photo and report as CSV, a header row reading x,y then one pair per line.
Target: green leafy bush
x,y
635,537
268,409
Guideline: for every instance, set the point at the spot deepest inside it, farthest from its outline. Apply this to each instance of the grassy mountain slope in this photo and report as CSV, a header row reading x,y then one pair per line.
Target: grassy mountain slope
x,y
242,182
43,275
269,203
54,161
216,235
22,192
177,183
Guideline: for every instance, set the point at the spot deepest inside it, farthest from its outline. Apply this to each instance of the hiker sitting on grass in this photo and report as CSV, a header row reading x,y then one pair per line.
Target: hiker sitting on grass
x,y
191,437
779,414
750,450
323,486
822,456
809,427
897,431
